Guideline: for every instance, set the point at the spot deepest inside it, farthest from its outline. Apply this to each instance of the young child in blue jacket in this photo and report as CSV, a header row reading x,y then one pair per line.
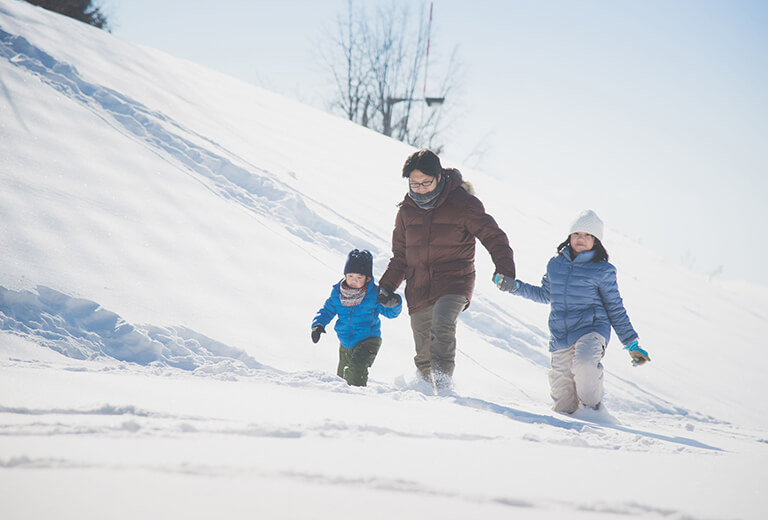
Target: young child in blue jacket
x,y
581,288
358,326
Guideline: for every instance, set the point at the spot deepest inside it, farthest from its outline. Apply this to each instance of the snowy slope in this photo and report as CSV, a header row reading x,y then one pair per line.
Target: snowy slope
x,y
168,234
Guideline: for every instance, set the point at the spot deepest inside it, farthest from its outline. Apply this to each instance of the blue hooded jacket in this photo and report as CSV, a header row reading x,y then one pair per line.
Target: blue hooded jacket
x,y
584,297
357,322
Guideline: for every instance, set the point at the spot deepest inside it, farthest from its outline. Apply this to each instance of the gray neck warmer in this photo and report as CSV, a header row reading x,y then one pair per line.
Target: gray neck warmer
x,y
428,200
349,296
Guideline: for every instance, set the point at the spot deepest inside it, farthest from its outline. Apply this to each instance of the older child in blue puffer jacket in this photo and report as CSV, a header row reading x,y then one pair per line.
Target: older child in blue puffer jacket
x,y
358,327
580,285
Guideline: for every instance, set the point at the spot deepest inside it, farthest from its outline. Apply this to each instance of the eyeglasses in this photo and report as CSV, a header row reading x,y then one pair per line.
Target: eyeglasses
x,y
425,184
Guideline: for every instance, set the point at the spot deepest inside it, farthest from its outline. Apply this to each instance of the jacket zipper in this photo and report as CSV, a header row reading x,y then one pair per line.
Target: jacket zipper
x,y
565,300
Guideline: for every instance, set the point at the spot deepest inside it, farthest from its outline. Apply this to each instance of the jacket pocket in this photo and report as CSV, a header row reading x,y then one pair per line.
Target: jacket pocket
x,y
584,318
456,277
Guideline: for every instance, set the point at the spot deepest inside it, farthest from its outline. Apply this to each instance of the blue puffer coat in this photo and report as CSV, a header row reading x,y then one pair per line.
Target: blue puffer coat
x,y
357,322
584,298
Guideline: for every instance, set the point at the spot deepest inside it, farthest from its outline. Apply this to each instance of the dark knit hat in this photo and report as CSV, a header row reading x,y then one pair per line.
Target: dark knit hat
x,y
359,262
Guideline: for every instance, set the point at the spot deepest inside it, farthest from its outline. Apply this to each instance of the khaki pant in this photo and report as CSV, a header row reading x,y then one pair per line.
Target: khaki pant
x,y
576,374
434,333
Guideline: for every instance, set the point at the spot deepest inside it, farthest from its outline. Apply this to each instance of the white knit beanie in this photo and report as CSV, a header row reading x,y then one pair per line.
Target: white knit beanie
x,y
588,222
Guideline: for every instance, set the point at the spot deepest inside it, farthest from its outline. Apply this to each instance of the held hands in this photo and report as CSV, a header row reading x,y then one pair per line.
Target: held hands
x,y
387,298
639,356
506,283
316,331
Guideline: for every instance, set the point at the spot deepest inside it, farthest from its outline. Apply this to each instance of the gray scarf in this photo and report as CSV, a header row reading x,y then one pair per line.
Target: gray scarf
x,y
349,296
428,200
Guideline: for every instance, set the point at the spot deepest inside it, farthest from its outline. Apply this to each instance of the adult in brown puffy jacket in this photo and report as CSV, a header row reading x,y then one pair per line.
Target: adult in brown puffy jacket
x,y
433,250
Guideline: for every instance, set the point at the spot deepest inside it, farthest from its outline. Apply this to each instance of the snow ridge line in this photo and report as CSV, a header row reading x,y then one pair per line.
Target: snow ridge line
x,y
254,188
82,329
601,434
106,409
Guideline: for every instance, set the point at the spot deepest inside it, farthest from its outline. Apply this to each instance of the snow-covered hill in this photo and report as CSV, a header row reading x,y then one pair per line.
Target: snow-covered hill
x,y
168,234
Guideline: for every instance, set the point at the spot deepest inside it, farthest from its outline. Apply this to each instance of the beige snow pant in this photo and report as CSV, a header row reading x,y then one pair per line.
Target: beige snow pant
x,y
576,374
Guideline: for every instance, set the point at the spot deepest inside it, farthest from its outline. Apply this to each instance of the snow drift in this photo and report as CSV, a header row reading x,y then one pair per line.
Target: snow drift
x,y
168,234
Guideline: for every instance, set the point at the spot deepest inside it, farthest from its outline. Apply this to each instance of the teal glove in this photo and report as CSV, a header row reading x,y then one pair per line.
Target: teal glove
x,y
639,356
506,283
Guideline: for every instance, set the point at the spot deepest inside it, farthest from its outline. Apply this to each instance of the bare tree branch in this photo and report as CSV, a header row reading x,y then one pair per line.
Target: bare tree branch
x,y
377,64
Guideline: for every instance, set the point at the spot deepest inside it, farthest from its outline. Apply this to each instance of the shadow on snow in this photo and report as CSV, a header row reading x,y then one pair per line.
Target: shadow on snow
x,y
578,426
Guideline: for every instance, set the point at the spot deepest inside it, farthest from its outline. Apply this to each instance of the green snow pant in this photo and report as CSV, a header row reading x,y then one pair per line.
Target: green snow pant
x,y
354,362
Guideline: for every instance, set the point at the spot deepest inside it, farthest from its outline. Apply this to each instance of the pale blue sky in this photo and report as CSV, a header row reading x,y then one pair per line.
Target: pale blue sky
x,y
654,112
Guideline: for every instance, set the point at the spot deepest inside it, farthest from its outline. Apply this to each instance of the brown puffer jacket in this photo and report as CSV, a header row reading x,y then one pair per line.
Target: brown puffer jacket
x,y
434,250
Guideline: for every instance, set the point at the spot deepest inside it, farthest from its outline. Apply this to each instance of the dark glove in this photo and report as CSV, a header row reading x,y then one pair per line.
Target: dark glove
x,y
387,298
639,356
316,331
506,283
